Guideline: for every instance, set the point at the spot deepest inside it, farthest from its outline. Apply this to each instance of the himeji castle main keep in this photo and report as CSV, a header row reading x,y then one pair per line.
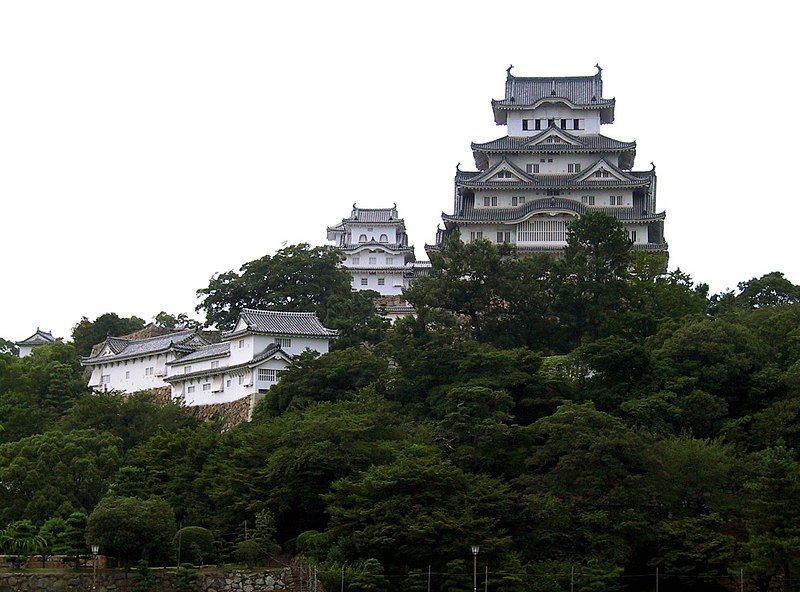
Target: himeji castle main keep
x,y
553,165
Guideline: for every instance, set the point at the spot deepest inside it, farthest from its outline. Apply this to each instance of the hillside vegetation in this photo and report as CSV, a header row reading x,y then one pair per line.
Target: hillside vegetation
x,y
594,415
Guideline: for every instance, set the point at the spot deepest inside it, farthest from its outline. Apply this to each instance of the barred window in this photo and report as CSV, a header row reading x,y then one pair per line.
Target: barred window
x,y
284,341
269,374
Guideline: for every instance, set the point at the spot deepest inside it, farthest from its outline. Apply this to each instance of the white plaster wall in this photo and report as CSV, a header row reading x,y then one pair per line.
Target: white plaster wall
x,y
228,388
591,119
299,344
504,197
381,256
557,166
641,232
393,282
242,350
25,350
129,375
196,366
373,232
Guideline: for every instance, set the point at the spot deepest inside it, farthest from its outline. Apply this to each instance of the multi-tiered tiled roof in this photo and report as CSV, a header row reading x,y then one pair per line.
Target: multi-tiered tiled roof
x,y
38,338
578,92
119,348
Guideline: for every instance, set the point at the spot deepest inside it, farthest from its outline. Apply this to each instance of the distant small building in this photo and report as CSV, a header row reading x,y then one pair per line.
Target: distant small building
x,y
247,362
39,338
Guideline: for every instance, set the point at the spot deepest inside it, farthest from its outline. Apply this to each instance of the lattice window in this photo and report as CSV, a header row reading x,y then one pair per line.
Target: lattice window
x,y
550,231
269,374
283,341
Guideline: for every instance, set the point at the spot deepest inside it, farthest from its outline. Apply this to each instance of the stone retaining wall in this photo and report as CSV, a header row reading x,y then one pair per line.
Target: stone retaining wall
x,y
215,580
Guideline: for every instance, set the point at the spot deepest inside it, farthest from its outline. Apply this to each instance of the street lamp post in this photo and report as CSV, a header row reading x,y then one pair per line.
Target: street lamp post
x,y
95,551
475,549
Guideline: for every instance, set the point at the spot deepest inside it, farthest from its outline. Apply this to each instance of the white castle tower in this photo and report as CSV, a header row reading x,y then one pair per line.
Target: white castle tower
x,y
376,250
552,166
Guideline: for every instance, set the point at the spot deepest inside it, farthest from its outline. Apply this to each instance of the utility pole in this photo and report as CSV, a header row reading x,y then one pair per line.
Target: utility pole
x,y
656,579
429,578
486,579
475,550
572,578
741,579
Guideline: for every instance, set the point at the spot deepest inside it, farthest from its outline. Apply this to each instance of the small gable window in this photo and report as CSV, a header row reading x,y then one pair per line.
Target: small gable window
x,y
362,238
384,238
504,175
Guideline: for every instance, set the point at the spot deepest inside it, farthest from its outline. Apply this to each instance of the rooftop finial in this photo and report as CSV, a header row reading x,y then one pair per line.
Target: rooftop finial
x,y
652,164
458,167
599,69
508,70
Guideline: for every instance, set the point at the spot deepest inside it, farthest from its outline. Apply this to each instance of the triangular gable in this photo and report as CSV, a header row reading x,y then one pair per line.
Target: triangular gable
x,y
241,324
554,135
603,171
503,171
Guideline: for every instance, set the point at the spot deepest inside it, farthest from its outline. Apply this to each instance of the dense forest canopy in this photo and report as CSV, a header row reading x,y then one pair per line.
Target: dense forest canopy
x,y
593,415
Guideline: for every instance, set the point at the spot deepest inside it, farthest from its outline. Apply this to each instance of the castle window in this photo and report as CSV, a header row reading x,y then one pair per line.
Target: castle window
x,y
563,124
549,160
228,382
577,124
356,260
475,235
381,281
241,343
574,167
521,199
532,168
105,379
551,122
363,281
486,201
514,200
525,123
632,234
373,260
504,237
268,374
588,199
206,386
283,341
602,173
215,364
148,371
504,175
384,238
494,200
538,124
127,375
553,192
541,160
389,260
362,238
187,369
616,200
190,389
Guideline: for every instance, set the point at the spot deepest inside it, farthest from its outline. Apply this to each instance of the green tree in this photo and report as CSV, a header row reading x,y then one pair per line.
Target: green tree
x,y
773,518
86,333
132,529
417,507
369,577
297,277
312,378
21,538
593,291
178,321
193,544
56,473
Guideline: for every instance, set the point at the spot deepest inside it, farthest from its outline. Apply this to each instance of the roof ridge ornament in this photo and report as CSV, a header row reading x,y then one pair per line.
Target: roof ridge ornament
x,y
653,165
599,69
458,167
508,71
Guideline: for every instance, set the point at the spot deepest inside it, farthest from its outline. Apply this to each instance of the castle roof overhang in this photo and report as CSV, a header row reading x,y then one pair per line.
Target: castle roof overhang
x,y
552,206
376,245
576,92
271,351
38,338
273,322
582,180
116,348
572,144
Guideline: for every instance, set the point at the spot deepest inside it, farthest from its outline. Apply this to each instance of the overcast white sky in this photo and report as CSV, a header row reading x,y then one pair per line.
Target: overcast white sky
x,y
146,145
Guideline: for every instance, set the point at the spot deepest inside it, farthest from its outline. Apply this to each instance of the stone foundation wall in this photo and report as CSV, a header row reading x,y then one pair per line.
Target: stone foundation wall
x,y
232,413
118,581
